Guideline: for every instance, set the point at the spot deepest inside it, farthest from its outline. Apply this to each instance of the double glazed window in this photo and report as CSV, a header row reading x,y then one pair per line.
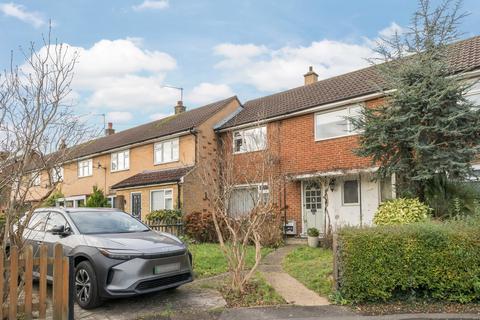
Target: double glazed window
x,y
36,178
249,140
245,198
120,160
85,168
57,174
474,94
386,189
335,123
166,151
161,199
350,192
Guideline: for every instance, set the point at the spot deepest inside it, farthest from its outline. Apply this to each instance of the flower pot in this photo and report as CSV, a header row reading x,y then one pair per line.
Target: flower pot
x,y
313,242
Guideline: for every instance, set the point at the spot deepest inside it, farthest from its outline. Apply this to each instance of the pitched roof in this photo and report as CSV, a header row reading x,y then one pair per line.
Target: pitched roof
x,y
156,129
463,56
152,177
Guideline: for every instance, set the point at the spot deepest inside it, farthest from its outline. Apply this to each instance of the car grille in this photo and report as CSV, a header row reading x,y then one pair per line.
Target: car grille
x,y
161,282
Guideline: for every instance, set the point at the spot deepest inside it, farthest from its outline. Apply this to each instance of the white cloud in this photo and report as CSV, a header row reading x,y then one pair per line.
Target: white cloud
x,y
272,70
120,74
151,5
119,116
208,92
158,116
20,12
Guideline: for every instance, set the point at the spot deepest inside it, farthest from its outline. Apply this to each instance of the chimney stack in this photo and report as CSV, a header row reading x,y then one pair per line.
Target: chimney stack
x,y
310,76
179,108
62,145
109,131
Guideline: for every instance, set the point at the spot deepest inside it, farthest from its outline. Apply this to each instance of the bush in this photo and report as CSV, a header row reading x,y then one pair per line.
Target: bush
x,y
52,200
97,199
272,231
426,260
199,226
313,232
165,214
401,211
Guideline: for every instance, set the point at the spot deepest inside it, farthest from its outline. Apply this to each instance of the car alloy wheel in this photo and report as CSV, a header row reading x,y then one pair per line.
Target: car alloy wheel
x,y
83,285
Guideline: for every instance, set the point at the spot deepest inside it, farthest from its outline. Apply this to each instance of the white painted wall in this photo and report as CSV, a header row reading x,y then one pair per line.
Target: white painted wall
x,y
349,215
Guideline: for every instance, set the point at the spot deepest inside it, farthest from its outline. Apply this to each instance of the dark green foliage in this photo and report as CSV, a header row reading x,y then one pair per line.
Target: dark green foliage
x,y
426,126
165,214
426,260
52,200
97,199
451,199
313,232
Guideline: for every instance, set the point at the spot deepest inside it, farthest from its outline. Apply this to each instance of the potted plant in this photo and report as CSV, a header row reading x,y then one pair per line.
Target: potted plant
x,y
313,234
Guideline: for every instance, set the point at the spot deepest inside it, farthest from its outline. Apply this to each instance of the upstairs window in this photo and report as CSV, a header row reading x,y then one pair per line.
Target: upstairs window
x,y
166,151
474,94
85,168
36,179
250,140
120,160
57,174
333,124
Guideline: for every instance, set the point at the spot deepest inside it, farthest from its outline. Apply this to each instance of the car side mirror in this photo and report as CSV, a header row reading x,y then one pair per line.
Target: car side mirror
x,y
60,230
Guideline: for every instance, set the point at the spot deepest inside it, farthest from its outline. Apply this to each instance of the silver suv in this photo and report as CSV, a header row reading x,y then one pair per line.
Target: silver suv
x,y
115,255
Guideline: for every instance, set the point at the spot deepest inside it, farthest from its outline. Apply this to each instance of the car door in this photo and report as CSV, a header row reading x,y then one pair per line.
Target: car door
x,y
54,219
34,233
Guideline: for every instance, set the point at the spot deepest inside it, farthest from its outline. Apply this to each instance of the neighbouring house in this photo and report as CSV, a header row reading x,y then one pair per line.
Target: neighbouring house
x,y
313,144
145,168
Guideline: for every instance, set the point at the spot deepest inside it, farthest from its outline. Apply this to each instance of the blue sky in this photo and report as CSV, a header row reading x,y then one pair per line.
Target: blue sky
x,y
130,49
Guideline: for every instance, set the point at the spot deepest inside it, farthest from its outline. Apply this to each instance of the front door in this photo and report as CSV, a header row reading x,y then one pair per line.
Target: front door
x,y
137,205
313,214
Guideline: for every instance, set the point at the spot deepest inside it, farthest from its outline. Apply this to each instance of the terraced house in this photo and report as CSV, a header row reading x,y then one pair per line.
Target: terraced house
x,y
144,168
306,129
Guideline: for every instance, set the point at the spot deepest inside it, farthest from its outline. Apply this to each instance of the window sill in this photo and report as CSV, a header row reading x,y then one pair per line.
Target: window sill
x,y
113,171
350,204
253,151
337,137
91,175
160,163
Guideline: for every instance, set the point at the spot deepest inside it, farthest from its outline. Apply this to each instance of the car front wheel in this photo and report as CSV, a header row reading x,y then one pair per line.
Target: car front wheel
x,y
86,286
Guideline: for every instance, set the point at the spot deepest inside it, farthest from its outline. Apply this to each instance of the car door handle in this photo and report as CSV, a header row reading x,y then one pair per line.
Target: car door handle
x,y
39,242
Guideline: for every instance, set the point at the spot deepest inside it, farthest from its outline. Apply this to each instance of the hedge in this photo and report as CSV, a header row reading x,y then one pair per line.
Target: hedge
x,y
426,260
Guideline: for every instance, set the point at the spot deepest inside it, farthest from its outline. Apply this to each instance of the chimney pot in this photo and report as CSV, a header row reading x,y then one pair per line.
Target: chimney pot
x,y
179,108
109,130
311,76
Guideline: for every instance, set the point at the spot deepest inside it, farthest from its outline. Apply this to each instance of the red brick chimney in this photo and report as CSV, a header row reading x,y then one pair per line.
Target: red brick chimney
x,y
310,76
109,131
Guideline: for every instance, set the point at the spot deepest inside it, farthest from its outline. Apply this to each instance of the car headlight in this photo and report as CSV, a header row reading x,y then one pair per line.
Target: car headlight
x,y
171,236
120,254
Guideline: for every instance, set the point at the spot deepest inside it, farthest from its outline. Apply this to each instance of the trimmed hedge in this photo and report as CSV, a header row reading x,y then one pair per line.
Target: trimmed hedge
x,y
425,260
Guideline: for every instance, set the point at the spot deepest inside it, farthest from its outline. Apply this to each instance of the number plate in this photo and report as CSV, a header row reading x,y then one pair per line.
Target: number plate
x,y
164,268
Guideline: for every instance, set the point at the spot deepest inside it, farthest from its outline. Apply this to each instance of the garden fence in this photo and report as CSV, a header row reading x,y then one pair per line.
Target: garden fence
x,y
173,226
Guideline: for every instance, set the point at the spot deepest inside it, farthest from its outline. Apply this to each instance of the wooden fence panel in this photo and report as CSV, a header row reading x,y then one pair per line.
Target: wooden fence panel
x,y
28,254
57,283
43,282
1,282
13,278
173,226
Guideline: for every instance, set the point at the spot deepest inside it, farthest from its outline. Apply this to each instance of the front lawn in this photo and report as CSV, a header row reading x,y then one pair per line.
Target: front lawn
x,y
208,259
311,266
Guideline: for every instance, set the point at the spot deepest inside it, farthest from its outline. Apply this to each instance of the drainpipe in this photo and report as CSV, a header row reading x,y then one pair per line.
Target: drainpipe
x,y
360,198
178,196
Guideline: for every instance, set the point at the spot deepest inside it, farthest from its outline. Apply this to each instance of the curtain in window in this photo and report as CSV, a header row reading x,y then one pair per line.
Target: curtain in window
x,y
158,200
242,201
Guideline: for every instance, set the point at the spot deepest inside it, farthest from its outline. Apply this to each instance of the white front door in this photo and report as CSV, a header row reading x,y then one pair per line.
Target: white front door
x,y
313,213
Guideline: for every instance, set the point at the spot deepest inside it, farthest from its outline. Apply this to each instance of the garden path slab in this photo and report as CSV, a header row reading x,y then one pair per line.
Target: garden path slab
x,y
288,287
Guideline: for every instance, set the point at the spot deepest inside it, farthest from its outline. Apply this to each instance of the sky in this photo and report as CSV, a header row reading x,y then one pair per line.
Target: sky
x,y
130,50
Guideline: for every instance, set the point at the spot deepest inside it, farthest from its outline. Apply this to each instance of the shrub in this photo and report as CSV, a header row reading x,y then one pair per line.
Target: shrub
x,y
199,226
272,232
97,199
401,211
52,200
427,260
313,232
165,214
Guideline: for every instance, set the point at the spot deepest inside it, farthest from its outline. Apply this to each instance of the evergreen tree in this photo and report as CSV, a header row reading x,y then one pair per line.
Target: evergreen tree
x,y
97,199
425,127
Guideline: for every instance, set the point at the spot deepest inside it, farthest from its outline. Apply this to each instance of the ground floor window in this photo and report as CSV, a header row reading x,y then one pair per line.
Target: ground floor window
x,y
112,201
161,199
72,202
386,189
245,198
350,192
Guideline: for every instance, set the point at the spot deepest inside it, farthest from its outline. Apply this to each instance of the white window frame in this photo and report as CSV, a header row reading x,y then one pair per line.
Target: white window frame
x,y
57,174
379,182
358,192
74,199
160,144
36,179
475,92
114,156
262,188
350,130
112,201
242,137
90,168
164,199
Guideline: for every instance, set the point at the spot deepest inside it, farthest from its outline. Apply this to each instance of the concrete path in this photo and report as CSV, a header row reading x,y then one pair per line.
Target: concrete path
x,y
288,287
325,313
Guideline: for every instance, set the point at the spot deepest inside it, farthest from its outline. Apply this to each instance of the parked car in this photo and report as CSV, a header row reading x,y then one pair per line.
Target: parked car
x,y
115,255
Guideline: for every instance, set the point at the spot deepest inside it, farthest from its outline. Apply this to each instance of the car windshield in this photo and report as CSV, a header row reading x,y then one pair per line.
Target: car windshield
x,y
93,222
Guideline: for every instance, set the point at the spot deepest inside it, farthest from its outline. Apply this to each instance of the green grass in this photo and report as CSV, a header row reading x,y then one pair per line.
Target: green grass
x,y
208,259
311,266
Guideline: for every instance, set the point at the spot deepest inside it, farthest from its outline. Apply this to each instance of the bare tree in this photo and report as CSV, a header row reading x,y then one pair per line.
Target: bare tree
x,y
37,123
239,225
